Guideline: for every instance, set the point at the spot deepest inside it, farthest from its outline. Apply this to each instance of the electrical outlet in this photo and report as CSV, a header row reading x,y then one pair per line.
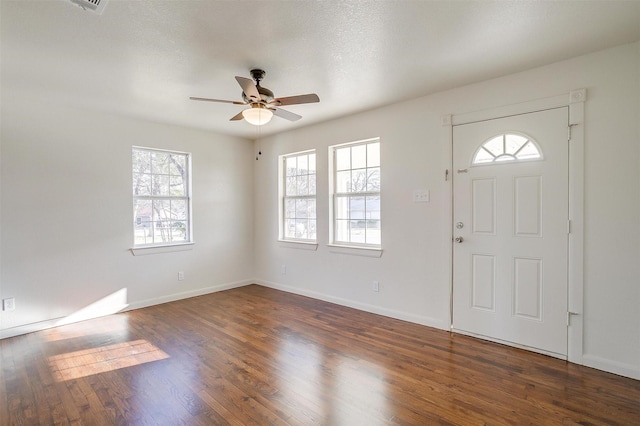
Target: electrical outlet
x,y
375,286
180,275
9,304
421,196
283,269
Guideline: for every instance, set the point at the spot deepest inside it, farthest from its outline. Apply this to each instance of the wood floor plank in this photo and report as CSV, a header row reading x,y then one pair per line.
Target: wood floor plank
x,y
254,355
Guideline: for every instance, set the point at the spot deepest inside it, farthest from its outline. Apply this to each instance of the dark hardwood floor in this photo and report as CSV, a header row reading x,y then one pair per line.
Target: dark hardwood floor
x,y
254,355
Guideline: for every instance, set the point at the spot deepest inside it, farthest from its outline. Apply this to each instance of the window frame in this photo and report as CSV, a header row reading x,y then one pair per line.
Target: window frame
x,y
188,198
283,218
335,195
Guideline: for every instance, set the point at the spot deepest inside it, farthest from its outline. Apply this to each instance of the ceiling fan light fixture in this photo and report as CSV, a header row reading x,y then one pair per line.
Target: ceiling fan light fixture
x,y
257,115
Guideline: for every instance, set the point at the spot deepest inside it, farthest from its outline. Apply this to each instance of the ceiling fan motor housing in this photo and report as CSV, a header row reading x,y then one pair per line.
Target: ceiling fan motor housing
x,y
265,94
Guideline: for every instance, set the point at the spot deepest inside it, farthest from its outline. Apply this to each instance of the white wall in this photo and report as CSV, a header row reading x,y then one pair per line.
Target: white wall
x,y
67,212
66,207
414,268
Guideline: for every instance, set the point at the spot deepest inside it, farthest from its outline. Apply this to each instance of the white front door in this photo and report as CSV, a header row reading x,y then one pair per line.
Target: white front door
x,y
510,218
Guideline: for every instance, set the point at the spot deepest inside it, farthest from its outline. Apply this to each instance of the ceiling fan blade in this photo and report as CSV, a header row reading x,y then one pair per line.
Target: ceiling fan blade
x,y
237,117
287,115
193,98
249,88
295,100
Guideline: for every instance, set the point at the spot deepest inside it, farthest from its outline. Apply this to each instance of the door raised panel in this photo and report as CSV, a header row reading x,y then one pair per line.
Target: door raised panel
x,y
483,280
527,289
483,206
527,206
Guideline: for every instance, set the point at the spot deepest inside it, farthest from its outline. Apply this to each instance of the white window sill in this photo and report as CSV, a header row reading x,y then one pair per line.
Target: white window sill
x,y
355,251
300,245
143,251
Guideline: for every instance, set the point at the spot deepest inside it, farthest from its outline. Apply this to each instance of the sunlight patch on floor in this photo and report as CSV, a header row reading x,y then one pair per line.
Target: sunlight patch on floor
x,y
73,365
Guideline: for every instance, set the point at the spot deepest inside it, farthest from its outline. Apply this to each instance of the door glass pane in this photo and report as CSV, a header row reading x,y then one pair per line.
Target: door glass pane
x,y
494,146
513,143
529,151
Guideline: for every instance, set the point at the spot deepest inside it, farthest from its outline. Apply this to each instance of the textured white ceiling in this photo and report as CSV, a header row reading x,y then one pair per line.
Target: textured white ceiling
x,y
145,58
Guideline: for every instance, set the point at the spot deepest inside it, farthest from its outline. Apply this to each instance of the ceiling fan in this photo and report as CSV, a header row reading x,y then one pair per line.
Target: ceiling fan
x,y
263,103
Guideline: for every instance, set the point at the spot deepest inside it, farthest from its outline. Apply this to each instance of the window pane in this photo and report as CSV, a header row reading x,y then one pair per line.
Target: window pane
x,y
303,165
373,207
302,184
312,229
312,184
357,208
373,155
160,185
290,228
141,184
342,230
301,228
359,157
357,232
179,209
178,164
177,186
311,208
373,232
291,166
343,181
161,210
301,208
178,231
290,208
312,163
291,186
342,207
160,162
343,158
358,180
141,161
373,179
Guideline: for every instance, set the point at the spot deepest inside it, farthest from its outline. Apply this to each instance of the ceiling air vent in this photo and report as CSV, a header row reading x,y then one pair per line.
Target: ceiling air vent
x,y
95,6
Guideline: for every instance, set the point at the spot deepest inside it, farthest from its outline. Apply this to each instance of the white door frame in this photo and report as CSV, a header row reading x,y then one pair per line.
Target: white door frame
x,y
574,100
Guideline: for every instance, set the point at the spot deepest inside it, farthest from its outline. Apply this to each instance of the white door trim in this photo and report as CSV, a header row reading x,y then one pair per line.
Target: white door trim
x,y
574,100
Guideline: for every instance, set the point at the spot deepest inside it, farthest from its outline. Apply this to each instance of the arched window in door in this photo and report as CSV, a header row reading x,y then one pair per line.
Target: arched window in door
x,y
507,147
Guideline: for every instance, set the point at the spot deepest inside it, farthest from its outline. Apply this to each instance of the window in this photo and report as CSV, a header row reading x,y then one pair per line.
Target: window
x,y
161,197
507,147
356,193
299,200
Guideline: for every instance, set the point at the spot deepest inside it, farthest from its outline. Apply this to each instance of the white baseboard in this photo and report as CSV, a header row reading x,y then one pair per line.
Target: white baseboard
x,y
43,325
619,368
417,319
187,294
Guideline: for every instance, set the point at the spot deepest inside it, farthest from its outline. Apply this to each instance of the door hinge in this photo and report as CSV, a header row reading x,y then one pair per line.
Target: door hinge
x,y
569,226
446,175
